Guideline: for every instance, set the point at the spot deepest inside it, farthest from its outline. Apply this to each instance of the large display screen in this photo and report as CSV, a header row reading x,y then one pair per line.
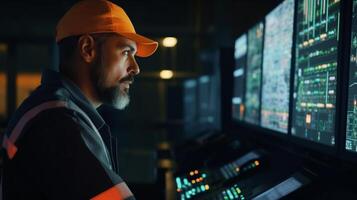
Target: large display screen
x,y
240,56
351,129
254,73
279,26
316,70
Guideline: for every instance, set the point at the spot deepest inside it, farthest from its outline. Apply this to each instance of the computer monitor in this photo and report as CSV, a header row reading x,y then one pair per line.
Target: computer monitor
x,y
351,129
208,106
314,104
254,73
209,88
190,105
205,111
279,25
240,57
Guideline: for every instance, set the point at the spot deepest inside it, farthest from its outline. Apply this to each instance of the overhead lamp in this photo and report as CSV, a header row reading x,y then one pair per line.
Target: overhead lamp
x,y
166,74
169,41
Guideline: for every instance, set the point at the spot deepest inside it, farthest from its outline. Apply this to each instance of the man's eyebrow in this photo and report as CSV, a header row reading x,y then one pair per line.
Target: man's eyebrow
x,y
127,45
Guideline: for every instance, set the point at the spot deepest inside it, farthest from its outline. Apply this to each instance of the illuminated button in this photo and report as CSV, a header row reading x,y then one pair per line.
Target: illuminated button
x,y
256,163
230,194
235,193
188,196
196,171
179,190
238,190
183,197
193,181
207,187
237,169
191,173
178,182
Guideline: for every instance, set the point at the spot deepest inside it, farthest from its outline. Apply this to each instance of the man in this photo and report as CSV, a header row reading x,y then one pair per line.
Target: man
x,y
57,146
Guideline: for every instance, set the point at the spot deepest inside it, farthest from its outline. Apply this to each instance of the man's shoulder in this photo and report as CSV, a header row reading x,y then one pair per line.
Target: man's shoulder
x,y
56,117
59,120
52,123
33,103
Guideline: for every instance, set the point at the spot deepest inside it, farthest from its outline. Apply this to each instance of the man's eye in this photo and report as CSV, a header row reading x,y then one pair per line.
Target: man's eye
x,y
127,52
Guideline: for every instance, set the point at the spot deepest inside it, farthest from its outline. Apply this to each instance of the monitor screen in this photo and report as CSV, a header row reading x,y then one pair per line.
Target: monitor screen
x,y
315,81
209,104
240,56
351,129
279,25
254,73
205,108
190,105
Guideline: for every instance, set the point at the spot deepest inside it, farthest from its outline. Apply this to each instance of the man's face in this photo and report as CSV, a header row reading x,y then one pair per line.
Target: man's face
x,y
114,69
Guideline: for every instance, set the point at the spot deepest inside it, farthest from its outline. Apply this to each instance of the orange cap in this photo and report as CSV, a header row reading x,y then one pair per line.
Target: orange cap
x,y
102,16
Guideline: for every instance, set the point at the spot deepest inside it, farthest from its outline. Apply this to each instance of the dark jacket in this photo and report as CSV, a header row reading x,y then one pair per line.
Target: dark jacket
x,y
59,147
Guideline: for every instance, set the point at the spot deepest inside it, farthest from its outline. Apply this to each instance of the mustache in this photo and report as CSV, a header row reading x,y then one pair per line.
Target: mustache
x,y
127,78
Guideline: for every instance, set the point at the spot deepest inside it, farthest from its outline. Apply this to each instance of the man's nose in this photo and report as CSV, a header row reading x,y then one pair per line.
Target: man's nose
x,y
134,67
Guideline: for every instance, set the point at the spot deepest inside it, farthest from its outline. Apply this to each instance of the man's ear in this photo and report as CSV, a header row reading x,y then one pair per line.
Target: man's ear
x,y
87,48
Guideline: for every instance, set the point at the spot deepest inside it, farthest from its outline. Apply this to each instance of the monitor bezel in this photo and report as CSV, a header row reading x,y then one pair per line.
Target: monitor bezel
x,y
347,33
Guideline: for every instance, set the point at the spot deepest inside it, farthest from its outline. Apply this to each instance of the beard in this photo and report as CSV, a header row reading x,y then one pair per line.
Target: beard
x,y
112,95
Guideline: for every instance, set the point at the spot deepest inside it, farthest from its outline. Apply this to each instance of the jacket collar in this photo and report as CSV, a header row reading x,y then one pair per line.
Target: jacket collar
x,y
53,78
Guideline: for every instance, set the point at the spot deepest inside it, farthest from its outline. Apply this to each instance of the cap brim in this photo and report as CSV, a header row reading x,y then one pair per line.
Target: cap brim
x,y
145,46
